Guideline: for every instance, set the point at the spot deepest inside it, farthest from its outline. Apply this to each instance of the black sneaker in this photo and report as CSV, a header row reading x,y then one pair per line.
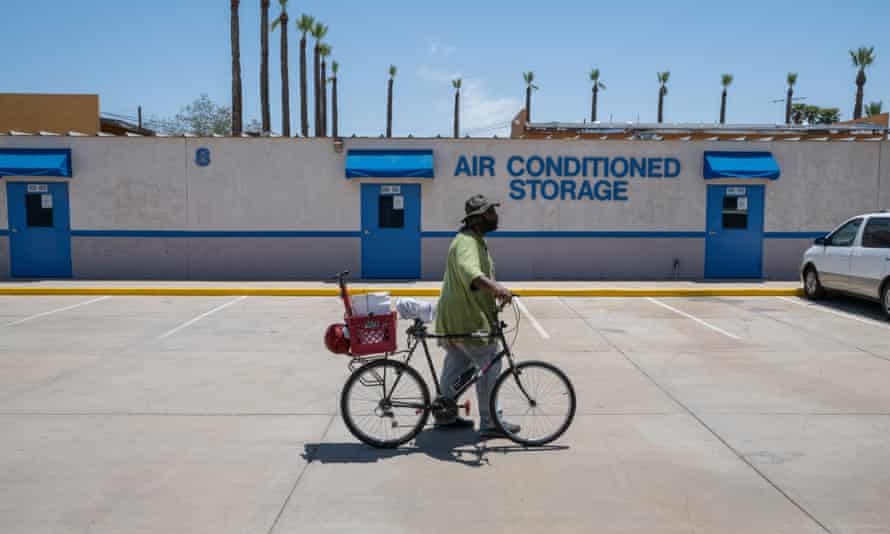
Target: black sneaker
x,y
493,432
457,422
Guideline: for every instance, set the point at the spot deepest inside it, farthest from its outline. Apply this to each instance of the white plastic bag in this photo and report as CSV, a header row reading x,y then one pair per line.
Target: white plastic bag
x,y
376,303
411,309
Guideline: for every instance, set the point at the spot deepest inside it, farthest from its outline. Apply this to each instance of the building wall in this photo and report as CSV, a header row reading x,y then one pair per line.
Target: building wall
x,y
129,194
51,113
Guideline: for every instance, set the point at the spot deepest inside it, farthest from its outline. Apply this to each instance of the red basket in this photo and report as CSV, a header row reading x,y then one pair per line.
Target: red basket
x,y
372,334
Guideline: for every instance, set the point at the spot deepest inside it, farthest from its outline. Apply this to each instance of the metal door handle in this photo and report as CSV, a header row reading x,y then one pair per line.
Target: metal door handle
x,y
15,230
367,232
712,233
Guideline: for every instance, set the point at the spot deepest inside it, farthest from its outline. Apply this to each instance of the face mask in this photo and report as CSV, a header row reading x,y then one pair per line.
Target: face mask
x,y
489,225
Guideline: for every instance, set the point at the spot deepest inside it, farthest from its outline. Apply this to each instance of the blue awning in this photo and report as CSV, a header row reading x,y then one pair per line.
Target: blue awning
x,y
740,165
35,162
389,164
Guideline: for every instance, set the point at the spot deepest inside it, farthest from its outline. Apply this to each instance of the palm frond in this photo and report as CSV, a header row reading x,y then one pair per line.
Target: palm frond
x,y
335,67
663,77
283,4
275,24
456,83
324,50
305,23
534,87
791,79
601,85
874,108
863,57
392,71
595,75
529,77
319,31
726,80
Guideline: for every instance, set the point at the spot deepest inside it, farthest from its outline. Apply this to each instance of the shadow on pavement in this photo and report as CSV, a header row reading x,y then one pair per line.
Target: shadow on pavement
x,y
458,446
855,306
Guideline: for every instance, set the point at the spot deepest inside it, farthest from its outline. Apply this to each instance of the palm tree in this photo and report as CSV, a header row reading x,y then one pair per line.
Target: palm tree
x,y
335,68
456,83
392,75
862,58
725,81
873,108
318,32
285,76
237,110
597,85
791,79
662,92
529,78
324,51
264,66
305,25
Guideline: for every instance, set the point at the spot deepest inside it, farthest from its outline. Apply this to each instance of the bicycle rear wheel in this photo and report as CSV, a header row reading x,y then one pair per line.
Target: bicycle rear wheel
x,y
385,403
538,398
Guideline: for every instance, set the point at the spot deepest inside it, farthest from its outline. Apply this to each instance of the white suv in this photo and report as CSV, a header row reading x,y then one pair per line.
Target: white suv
x,y
853,259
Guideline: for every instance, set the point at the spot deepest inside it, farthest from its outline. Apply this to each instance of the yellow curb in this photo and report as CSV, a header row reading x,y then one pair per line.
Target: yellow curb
x,y
399,292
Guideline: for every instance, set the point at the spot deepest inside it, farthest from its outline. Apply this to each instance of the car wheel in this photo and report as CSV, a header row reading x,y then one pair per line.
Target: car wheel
x,y
885,299
812,287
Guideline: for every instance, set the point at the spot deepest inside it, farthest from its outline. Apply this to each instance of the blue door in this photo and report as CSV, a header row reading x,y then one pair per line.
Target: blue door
x,y
734,245
39,229
391,231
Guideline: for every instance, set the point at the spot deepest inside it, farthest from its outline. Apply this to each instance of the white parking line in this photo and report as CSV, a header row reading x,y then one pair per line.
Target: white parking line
x,y
694,318
543,333
845,315
198,318
57,310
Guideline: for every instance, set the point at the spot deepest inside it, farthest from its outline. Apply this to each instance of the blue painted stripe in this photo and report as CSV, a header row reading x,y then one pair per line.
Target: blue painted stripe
x,y
794,235
580,234
209,233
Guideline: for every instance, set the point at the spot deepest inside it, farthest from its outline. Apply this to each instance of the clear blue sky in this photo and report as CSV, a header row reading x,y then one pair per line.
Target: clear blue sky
x,y
162,54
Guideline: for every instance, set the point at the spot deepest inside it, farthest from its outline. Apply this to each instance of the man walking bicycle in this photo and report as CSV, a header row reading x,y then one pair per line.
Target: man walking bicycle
x,y
470,295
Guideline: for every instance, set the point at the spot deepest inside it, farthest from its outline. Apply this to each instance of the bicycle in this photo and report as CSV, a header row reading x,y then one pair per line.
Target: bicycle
x,y
386,403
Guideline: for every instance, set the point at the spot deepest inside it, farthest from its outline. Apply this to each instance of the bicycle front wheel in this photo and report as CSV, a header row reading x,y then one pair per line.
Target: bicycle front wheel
x,y
534,404
385,403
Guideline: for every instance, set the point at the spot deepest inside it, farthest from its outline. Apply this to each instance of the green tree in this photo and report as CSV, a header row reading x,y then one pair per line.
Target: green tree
x,y
202,118
862,59
725,81
874,108
305,25
456,84
285,76
235,33
791,79
529,78
264,66
597,85
318,33
663,78
828,115
392,76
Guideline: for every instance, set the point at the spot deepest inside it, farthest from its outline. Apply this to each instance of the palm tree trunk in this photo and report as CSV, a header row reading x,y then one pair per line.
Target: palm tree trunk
x,y
264,66
237,111
723,107
389,108
324,98
334,108
304,111
317,74
660,105
593,104
860,84
788,100
456,113
285,80
528,104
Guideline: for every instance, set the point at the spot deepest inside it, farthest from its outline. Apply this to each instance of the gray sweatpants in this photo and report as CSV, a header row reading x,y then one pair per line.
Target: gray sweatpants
x,y
462,357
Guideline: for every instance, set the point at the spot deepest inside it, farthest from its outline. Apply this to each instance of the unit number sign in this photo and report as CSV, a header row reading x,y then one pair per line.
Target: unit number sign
x,y
38,188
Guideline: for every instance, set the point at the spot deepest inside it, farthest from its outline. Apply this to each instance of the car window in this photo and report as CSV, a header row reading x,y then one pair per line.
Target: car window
x,y
877,233
845,235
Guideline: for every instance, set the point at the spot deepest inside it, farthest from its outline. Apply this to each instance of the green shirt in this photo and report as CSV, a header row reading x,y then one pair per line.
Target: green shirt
x,y
462,309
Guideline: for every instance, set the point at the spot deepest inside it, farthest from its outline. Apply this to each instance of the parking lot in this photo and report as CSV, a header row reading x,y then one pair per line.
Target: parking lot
x,y
219,414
